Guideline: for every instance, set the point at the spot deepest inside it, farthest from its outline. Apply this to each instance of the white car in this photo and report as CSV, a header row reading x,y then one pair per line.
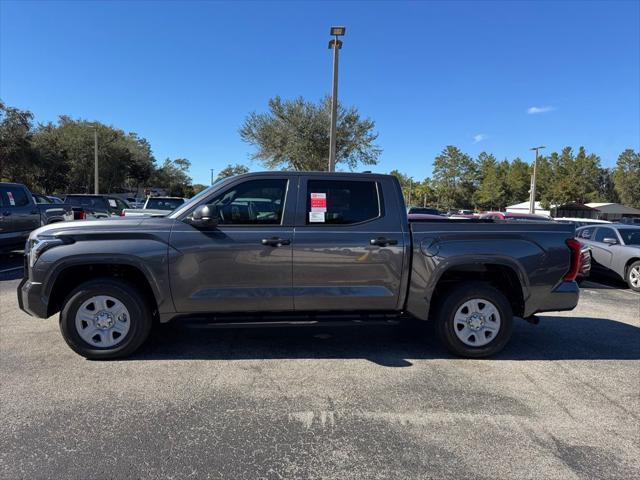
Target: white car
x,y
155,207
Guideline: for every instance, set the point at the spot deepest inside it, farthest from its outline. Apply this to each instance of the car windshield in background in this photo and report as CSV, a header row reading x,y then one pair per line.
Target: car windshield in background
x,y
91,202
168,204
630,236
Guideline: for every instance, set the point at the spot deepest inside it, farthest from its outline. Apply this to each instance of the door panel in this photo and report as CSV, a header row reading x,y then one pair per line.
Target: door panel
x,y
230,270
335,266
244,263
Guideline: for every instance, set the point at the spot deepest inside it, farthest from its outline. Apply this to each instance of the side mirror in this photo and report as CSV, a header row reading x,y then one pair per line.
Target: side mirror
x,y
610,241
205,216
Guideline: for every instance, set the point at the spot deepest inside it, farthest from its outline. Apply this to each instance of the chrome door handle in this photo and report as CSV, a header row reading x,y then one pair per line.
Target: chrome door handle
x,y
276,242
383,242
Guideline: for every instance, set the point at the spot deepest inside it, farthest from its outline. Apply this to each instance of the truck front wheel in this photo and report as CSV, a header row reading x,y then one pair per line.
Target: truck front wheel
x,y
474,320
105,318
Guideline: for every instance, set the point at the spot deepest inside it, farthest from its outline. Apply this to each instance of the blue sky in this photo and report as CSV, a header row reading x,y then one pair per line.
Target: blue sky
x,y
495,76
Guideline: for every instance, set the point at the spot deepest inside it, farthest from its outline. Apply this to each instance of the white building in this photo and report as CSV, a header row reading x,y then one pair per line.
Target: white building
x,y
524,208
614,211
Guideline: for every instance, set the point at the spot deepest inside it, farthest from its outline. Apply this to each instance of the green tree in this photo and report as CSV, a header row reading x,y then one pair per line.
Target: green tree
x,y
198,187
455,178
173,176
232,170
627,177
294,135
16,155
518,181
491,193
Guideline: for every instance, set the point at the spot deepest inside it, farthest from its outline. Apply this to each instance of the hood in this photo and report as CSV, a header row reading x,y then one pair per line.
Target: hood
x,y
115,224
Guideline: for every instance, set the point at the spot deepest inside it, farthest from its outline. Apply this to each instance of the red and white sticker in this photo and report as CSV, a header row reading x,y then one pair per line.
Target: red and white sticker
x,y
318,202
11,199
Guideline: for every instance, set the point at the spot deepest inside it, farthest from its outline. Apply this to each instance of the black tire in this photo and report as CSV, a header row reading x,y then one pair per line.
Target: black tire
x,y
139,312
634,265
453,299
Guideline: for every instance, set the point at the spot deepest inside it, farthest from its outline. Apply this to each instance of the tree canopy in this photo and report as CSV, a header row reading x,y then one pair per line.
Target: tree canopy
x,y
294,135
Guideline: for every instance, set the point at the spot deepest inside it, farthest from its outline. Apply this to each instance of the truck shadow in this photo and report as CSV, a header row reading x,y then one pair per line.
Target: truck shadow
x,y
556,338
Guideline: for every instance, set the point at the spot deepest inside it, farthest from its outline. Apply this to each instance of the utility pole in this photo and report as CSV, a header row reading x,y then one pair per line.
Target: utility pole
x,y
95,157
336,45
211,175
532,192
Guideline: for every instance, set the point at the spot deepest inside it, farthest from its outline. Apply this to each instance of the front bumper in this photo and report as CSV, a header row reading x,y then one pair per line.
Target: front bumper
x,y
30,299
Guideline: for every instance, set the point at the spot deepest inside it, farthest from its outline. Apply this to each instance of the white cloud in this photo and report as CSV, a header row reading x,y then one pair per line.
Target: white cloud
x,y
480,137
536,110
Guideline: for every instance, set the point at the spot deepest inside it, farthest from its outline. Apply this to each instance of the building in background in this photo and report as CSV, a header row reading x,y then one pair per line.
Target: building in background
x,y
614,211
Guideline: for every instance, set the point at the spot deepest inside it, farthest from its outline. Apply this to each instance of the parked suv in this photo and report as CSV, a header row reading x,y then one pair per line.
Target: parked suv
x,y
21,212
91,207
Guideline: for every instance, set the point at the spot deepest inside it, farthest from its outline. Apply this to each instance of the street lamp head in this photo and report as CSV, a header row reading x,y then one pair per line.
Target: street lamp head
x,y
338,31
538,148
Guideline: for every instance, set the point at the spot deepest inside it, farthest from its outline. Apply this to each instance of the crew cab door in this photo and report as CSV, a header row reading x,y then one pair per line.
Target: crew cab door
x,y
349,245
244,263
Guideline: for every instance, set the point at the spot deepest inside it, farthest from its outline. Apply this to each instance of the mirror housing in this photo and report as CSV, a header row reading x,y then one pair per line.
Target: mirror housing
x,y
204,216
610,241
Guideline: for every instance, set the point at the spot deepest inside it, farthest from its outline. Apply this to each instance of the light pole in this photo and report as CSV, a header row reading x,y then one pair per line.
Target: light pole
x,y
211,175
532,192
95,159
336,45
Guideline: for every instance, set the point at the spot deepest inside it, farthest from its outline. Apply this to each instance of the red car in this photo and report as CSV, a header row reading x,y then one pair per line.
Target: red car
x,y
513,216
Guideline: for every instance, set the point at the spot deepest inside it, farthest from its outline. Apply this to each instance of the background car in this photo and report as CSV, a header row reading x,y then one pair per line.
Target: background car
x,y
615,251
581,222
513,216
424,211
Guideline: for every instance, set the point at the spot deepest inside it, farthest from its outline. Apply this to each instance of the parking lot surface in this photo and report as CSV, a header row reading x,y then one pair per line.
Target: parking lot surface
x,y
561,402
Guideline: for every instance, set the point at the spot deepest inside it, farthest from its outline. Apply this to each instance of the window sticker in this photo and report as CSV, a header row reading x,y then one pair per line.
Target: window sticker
x,y
112,203
316,217
11,199
318,203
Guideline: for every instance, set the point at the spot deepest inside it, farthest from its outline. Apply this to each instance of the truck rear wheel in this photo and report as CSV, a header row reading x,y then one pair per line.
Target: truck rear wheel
x,y
105,319
474,320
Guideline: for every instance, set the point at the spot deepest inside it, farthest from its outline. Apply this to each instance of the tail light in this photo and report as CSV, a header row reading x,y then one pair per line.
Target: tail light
x,y
82,215
576,247
122,213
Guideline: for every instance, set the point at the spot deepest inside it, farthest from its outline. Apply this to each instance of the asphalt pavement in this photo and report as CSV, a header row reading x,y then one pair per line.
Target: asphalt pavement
x,y
561,402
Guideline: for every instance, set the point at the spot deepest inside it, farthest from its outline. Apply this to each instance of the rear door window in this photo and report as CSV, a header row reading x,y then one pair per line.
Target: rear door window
x,y
586,233
342,202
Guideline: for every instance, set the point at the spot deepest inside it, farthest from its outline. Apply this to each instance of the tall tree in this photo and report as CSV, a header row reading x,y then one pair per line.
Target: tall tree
x,y
518,181
294,135
491,191
455,178
627,177
16,155
232,170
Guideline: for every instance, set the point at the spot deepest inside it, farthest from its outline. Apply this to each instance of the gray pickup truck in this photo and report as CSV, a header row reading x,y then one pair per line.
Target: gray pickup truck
x,y
311,246
22,212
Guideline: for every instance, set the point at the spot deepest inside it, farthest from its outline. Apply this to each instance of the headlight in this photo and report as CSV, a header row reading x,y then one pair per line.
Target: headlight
x,y
38,245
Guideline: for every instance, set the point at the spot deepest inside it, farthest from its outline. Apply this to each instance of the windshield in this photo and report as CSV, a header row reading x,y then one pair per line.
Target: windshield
x,y
630,236
168,204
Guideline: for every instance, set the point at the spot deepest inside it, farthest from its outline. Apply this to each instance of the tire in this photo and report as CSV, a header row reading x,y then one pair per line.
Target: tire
x,y
135,318
633,276
492,319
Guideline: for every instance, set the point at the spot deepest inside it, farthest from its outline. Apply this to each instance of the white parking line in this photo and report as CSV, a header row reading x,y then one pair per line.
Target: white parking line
x,y
608,287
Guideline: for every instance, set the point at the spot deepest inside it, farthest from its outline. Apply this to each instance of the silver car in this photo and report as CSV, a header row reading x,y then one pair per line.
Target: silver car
x,y
615,250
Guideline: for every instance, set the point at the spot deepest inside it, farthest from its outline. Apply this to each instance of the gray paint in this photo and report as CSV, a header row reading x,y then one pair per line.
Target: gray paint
x,y
324,268
611,259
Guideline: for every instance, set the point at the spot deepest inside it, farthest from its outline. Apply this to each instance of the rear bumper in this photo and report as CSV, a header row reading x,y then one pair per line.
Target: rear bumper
x,y
30,298
564,297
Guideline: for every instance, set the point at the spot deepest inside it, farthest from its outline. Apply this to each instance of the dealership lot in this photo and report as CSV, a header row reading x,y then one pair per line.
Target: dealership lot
x,y
562,401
